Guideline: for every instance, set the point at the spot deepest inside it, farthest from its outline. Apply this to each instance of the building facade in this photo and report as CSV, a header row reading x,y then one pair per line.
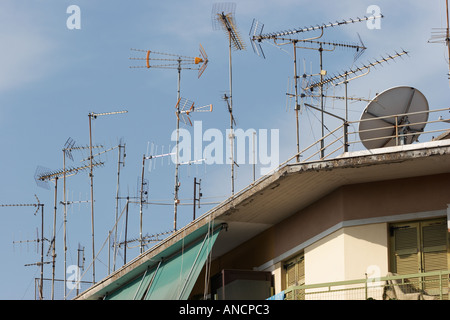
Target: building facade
x,y
364,215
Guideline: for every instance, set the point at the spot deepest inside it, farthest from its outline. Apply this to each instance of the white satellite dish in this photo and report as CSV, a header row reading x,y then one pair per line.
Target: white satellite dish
x,y
377,128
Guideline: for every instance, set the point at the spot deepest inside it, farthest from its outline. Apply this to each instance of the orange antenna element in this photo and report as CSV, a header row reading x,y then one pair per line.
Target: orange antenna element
x,y
148,59
186,107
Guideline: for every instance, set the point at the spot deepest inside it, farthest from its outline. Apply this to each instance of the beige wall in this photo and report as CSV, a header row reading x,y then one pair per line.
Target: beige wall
x,y
346,253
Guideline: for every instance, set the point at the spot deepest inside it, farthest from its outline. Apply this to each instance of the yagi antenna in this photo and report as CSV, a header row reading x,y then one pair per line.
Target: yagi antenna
x,y
162,60
257,27
223,18
186,107
362,70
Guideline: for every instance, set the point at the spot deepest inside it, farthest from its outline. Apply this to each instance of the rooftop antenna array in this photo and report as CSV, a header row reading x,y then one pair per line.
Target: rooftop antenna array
x,y
442,35
44,177
223,19
286,37
38,206
177,62
93,115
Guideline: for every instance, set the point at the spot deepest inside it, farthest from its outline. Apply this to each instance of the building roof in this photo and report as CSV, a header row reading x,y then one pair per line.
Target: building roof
x,y
292,187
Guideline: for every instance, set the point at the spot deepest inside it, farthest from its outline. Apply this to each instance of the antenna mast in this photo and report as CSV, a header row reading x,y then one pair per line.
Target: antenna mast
x,y
177,62
91,175
223,18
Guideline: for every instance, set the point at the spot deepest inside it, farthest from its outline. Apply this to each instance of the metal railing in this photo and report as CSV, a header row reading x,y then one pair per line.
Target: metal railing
x,y
343,138
420,286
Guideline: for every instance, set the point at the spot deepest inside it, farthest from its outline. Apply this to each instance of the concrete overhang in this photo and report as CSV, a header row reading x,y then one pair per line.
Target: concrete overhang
x,y
275,197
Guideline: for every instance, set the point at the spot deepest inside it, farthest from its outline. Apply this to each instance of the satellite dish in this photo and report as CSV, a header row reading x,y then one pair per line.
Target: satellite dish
x,y
377,128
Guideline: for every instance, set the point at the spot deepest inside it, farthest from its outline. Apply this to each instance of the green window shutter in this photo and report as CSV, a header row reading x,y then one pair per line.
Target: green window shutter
x,y
434,252
295,276
406,249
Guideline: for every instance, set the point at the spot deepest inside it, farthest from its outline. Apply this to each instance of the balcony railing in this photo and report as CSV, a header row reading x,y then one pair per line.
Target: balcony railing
x,y
421,286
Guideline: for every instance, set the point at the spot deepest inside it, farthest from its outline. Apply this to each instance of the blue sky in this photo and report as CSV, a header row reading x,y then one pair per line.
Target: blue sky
x,y
52,77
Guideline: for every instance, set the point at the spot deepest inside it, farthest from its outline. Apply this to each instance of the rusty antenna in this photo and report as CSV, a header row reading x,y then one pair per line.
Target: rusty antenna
x,y
223,19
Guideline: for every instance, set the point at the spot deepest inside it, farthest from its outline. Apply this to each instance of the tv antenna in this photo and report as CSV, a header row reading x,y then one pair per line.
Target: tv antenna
x,y
164,60
69,146
223,18
352,74
286,38
184,108
38,206
54,176
442,35
91,116
395,117
144,183
177,62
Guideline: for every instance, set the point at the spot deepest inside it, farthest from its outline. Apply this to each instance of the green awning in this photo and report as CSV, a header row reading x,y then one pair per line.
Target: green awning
x,y
173,276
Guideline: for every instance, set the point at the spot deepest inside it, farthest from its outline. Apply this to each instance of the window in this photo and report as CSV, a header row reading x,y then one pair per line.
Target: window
x,y
295,276
418,247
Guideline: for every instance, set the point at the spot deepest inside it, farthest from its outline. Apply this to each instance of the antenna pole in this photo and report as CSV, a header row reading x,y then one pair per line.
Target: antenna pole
x,y
231,114
322,142
91,175
177,183
126,232
447,39
140,206
195,196
65,221
41,294
297,107
54,240
117,201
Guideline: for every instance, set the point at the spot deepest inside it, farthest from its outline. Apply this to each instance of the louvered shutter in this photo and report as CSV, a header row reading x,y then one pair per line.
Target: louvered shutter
x,y
434,252
406,249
